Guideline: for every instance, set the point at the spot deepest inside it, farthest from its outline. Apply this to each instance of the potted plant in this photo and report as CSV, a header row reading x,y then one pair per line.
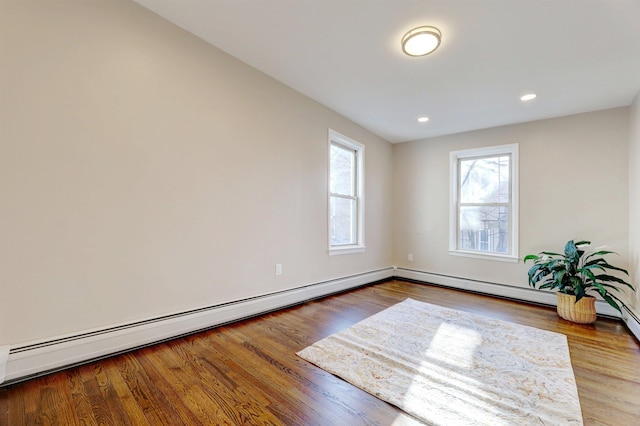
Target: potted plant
x,y
575,274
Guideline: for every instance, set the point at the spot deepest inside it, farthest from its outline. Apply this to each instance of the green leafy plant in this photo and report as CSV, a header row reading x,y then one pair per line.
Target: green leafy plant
x,y
577,272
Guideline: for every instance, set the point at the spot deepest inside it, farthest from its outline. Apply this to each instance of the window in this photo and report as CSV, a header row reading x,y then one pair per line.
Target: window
x,y
346,200
484,203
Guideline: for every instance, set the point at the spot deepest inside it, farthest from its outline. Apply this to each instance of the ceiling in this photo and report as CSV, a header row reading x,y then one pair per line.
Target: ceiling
x,y
577,55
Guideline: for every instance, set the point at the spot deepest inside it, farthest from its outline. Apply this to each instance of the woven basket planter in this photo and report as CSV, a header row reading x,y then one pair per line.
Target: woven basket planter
x,y
583,312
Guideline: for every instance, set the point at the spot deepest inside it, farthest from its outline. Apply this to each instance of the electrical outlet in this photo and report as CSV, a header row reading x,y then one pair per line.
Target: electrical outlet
x,y
278,268
410,257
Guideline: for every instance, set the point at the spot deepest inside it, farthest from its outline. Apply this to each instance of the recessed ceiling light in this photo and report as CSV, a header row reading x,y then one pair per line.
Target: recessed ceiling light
x,y
421,41
528,97
423,119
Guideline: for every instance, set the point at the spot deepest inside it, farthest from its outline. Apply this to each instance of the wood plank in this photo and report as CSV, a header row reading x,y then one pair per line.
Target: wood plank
x,y
102,410
79,397
146,385
248,372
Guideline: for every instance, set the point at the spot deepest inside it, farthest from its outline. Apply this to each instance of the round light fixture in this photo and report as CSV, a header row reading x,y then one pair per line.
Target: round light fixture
x,y
423,119
528,97
421,41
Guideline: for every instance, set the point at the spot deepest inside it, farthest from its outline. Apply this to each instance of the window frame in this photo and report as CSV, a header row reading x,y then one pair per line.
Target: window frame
x,y
454,205
336,138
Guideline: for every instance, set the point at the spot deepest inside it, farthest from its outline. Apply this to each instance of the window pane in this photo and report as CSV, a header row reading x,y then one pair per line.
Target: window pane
x,y
343,221
485,180
484,229
343,171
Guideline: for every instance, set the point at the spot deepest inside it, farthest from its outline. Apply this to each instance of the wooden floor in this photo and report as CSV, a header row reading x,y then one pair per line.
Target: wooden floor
x,y
248,373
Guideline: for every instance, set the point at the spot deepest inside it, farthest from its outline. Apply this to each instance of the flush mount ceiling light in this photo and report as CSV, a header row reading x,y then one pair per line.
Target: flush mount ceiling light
x,y
421,41
423,119
528,97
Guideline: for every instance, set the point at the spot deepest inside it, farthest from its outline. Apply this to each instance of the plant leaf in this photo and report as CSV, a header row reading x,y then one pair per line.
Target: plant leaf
x,y
612,278
610,300
571,252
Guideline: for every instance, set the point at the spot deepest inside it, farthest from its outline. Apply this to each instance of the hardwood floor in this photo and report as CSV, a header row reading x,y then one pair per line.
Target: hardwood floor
x,y
248,373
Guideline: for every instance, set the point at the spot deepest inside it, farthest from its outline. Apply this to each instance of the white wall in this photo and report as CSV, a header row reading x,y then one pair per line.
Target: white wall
x,y
573,184
634,199
145,172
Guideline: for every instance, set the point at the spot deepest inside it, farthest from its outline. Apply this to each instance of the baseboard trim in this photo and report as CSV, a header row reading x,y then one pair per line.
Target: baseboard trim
x,y
495,289
45,356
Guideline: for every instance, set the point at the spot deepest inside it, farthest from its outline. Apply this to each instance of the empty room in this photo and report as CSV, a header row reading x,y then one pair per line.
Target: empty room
x,y
319,212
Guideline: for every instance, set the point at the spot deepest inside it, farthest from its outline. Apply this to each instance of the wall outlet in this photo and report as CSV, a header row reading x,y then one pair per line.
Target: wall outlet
x,y
410,257
278,268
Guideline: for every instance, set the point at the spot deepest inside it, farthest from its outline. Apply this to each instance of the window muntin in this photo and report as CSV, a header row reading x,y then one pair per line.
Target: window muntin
x,y
484,202
345,194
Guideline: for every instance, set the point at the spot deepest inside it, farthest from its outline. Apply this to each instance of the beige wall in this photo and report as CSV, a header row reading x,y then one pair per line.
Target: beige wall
x,y
634,199
145,172
573,184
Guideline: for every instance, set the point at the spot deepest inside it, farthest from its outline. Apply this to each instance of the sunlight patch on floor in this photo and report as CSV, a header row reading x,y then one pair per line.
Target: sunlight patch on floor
x,y
455,345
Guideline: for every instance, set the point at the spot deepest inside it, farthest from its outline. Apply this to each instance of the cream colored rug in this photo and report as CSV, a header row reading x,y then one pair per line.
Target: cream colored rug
x,y
448,367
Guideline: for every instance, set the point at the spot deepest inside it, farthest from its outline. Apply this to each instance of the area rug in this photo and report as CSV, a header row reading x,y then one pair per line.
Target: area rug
x,y
447,367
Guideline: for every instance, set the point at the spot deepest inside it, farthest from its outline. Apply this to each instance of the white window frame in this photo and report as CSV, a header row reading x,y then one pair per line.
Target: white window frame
x,y
359,246
454,158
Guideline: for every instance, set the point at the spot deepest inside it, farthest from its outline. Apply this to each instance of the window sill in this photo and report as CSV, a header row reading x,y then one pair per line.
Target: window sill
x,y
487,256
334,251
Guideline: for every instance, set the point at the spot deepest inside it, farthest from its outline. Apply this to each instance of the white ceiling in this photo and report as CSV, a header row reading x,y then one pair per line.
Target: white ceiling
x,y
577,55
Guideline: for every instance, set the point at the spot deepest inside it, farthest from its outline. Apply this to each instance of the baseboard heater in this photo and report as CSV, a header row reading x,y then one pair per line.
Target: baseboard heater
x,y
22,362
25,361
524,294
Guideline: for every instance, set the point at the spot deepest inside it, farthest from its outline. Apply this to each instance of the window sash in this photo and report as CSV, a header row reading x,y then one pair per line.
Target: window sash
x,y
337,238
494,230
353,172
499,188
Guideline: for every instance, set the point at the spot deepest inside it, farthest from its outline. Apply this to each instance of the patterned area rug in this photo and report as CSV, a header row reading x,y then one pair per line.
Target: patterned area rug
x,y
447,367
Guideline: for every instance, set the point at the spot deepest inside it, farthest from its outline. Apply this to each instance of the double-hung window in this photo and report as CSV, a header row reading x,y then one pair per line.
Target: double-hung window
x,y
346,198
484,203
